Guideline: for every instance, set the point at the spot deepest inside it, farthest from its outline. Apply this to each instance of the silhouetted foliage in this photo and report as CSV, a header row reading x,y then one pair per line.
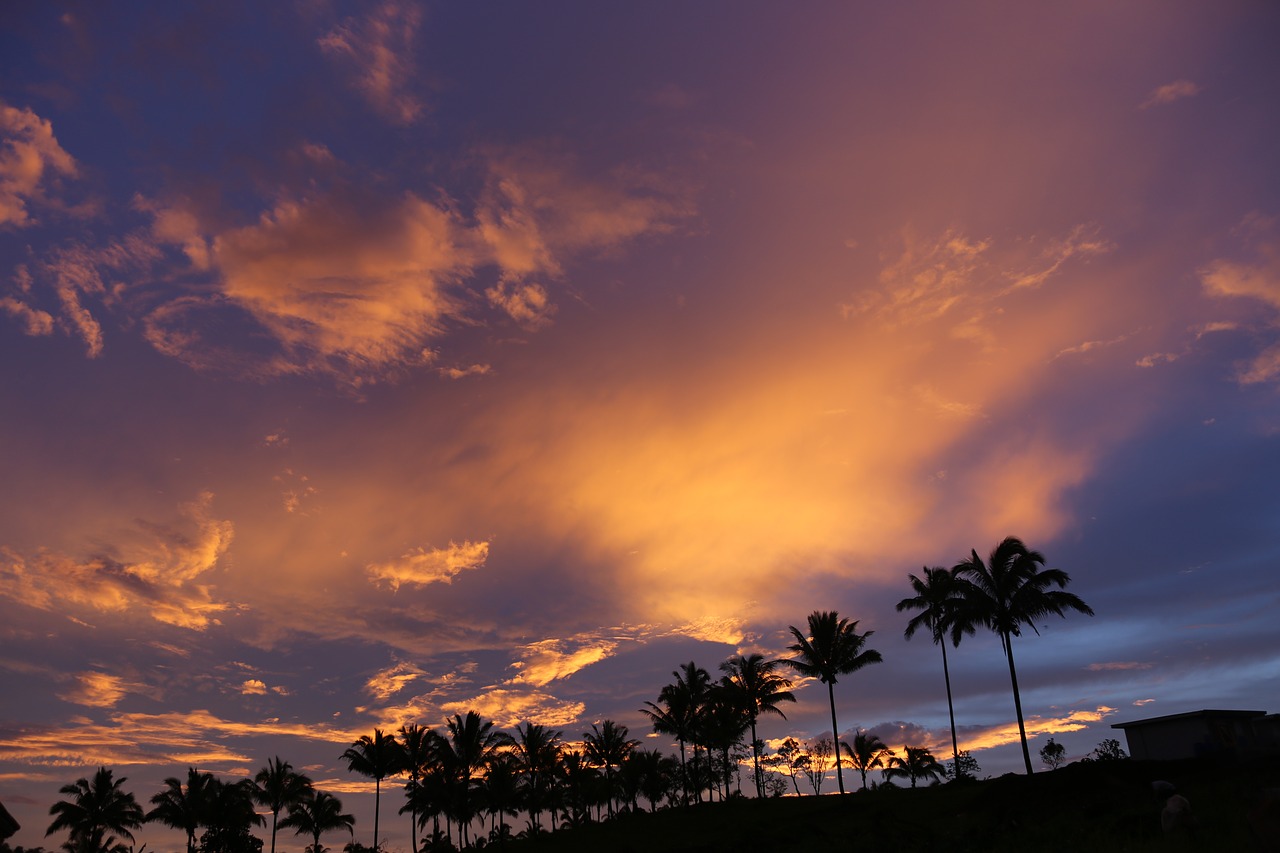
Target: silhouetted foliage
x,y
1053,754
95,813
1009,590
1108,750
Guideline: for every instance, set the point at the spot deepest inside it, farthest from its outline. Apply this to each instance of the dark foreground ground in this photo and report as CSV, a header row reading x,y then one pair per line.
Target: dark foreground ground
x,y
1099,806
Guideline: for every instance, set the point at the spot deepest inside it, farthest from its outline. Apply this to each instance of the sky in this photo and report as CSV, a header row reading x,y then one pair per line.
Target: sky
x,y
365,364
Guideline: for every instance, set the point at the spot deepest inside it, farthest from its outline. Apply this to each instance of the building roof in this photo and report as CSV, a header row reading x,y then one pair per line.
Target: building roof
x,y
1188,714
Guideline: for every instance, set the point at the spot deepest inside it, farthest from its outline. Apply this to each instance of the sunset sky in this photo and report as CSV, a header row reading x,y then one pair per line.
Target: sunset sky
x,y
369,363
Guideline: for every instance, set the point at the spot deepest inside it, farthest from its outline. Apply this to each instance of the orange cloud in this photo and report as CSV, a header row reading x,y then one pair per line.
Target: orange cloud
x,y
509,708
438,565
550,660
30,159
155,577
1170,92
97,690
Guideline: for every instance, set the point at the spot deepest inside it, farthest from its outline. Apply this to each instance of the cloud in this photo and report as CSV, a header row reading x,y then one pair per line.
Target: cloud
x,y
551,660
1170,92
464,372
253,687
1089,346
30,160
1117,666
98,690
1084,241
385,684
378,49
527,304
1257,280
155,576
508,708
35,322
437,565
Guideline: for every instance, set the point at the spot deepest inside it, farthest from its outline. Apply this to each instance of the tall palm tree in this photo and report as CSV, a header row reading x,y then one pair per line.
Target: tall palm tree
x,y
683,700
833,647
608,746
229,817
316,813
760,689
919,763
867,753
723,723
277,787
418,749
938,598
1008,591
469,746
377,757
95,809
183,808
537,751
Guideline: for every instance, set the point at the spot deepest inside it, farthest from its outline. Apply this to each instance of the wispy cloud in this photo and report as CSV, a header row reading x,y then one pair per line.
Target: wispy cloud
x,y
423,566
1170,92
378,49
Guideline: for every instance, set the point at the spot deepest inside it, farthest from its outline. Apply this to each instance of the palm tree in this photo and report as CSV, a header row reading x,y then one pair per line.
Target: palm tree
x,y
868,752
95,809
229,817
608,745
377,757
938,598
316,813
183,808
760,689
418,748
683,701
469,746
723,723
537,752
832,648
919,764
277,787
1008,591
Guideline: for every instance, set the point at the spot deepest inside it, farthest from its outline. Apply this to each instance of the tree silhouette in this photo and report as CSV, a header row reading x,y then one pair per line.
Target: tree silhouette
x,y
277,787
469,745
1053,754
678,713
316,813
760,689
376,757
418,746
608,746
867,753
94,810
833,647
1008,591
230,816
919,763
537,752
938,598
183,808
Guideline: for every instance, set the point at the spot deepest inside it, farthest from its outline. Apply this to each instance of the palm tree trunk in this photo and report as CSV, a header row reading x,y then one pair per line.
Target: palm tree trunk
x,y
377,801
951,711
1017,701
684,775
755,759
835,734
274,815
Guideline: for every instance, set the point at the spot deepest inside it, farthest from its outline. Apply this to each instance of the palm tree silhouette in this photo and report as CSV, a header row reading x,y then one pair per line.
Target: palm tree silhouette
x,y
96,808
832,648
469,746
760,689
938,598
316,813
918,764
1008,591
683,701
229,817
183,808
537,751
867,753
418,747
277,787
376,757
608,745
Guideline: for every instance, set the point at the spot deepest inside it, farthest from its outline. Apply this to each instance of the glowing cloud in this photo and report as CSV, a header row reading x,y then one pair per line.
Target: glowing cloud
x,y
509,708
438,565
29,156
97,690
549,660
379,50
387,683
